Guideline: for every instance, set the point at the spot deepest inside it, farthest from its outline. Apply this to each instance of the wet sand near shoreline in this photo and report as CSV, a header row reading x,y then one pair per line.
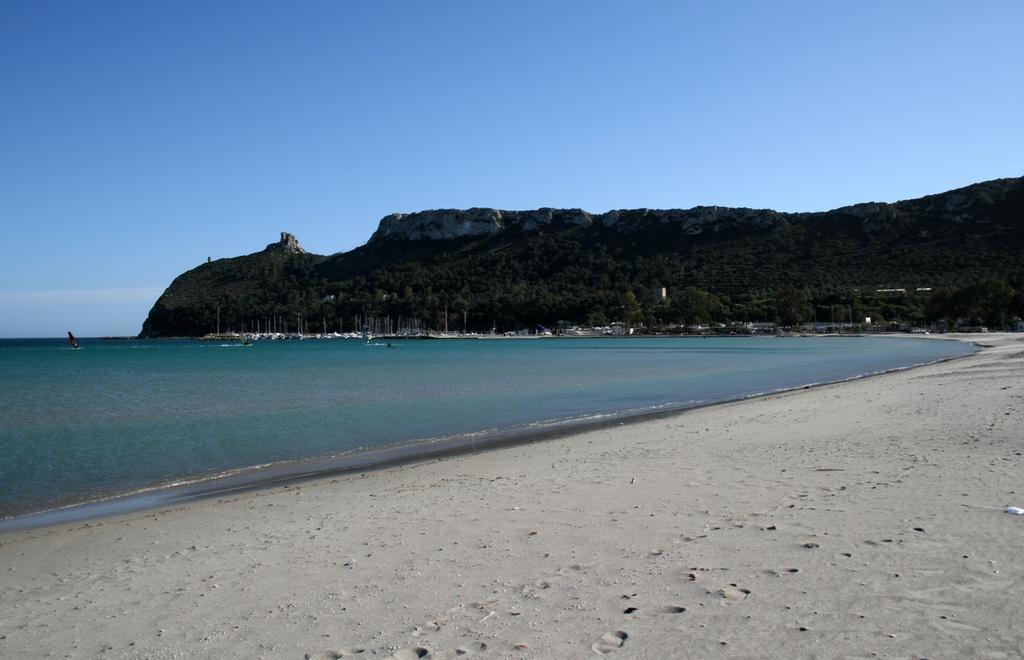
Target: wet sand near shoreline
x,y
857,519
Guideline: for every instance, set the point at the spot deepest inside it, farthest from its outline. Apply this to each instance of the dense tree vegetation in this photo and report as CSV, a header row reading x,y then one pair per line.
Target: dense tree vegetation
x,y
988,303
954,256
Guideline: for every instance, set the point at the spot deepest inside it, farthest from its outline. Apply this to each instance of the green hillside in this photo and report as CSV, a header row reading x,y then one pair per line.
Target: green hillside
x,y
520,269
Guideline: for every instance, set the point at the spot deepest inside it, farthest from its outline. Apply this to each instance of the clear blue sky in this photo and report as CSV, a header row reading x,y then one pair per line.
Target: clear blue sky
x,y
138,138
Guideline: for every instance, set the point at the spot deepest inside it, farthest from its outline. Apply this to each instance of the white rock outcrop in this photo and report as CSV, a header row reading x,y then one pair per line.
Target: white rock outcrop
x,y
288,243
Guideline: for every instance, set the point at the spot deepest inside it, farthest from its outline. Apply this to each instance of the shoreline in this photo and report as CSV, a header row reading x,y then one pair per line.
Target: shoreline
x,y
200,487
864,518
452,336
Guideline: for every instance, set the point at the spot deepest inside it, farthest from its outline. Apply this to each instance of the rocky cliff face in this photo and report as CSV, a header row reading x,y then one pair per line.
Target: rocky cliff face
x,y
959,205
445,224
971,203
288,244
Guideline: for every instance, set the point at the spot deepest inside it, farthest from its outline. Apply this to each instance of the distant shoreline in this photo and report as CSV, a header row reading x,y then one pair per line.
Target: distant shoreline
x,y
313,337
456,336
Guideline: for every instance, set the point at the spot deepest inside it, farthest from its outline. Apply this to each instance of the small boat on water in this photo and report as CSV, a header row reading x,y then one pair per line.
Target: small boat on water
x,y
72,340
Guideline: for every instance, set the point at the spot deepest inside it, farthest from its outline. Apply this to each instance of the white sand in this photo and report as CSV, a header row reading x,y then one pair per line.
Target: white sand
x,y
860,519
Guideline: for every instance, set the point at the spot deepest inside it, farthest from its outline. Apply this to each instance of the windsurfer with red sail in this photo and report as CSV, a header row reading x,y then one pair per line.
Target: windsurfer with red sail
x,y
72,340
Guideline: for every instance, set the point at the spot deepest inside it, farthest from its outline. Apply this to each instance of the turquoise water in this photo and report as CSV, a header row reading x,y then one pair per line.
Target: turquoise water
x,y
116,416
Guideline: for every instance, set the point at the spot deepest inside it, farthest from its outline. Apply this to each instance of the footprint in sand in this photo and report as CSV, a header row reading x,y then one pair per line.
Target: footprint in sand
x,y
784,571
471,648
610,642
428,627
334,655
732,592
534,590
411,654
673,609
945,625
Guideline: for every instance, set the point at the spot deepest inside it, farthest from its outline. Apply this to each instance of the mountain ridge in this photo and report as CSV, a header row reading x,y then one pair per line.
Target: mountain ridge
x,y
508,269
477,221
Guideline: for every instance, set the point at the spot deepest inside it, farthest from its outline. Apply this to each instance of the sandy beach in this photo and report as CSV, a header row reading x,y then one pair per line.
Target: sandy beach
x,y
862,519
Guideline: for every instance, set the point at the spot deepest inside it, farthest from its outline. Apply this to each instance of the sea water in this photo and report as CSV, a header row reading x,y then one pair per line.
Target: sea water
x,y
117,416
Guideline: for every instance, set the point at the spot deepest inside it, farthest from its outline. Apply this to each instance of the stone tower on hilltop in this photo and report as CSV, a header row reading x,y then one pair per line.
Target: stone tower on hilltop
x,y
288,243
